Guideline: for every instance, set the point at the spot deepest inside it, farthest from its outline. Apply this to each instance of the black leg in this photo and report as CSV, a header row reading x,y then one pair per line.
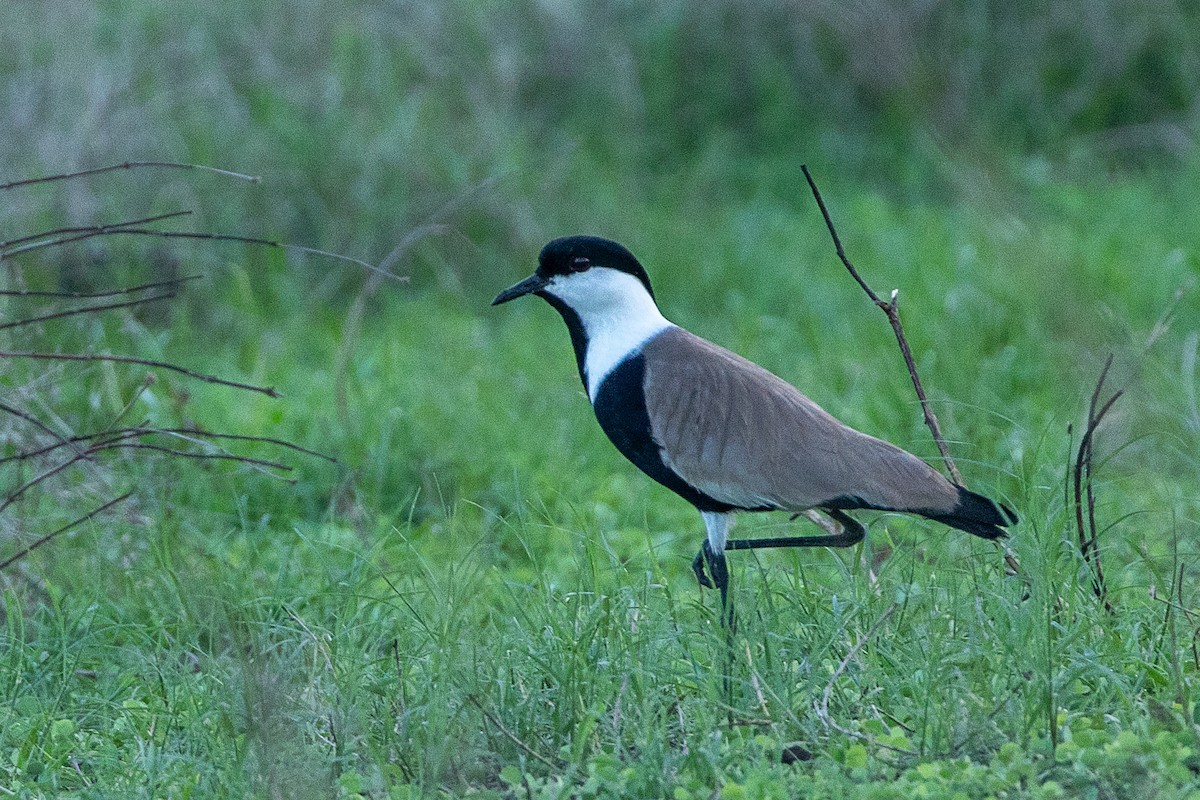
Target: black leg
x,y
698,567
852,533
718,567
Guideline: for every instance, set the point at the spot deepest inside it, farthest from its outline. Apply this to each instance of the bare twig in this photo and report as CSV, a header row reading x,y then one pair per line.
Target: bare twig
x,y
173,283
269,391
129,165
511,736
891,309
822,708
179,442
108,436
16,494
27,550
85,229
86,310
1088,545
257,462
120,440
244,438
35,422
210,237
141,430
1082,469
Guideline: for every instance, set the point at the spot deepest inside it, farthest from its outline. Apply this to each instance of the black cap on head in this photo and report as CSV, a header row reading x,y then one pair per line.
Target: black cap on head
x,y
580,253
572,254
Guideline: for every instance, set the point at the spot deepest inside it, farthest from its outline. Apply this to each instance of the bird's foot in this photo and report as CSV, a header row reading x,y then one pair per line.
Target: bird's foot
x,y
698,568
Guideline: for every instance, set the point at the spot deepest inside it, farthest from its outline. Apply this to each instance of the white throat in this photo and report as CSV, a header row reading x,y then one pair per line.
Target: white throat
x,y
618,317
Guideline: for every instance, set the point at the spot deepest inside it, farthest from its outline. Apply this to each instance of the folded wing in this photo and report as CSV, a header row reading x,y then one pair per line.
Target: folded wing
x,y
745,437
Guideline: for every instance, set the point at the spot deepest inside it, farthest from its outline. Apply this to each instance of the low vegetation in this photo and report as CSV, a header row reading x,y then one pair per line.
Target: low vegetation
x,y
480,597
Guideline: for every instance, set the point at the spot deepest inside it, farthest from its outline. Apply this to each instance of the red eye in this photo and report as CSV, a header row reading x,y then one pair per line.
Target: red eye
x,y
579,264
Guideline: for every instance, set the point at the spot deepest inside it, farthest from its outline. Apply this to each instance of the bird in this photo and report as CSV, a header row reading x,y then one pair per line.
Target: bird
x,y
720,431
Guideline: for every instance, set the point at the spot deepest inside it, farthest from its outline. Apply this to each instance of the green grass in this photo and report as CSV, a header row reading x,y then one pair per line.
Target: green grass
x,y
482,558
483,598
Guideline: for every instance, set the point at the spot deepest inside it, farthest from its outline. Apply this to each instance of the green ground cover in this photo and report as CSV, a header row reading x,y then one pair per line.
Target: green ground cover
x,y
482,598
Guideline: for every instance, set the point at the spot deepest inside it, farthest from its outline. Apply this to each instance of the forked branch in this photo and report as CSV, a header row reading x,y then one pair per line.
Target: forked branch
x,y
269,391
24,551
66,450
891,309
126,165
1086,528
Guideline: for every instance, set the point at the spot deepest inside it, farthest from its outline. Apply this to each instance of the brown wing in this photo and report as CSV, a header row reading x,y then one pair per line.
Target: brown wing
x,y
745,437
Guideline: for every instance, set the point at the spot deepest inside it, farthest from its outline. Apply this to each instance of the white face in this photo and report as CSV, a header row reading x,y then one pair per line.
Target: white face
x,y
617,313
600,290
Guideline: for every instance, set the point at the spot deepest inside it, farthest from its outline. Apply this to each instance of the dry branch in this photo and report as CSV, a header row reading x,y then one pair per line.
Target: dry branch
x,y
68,449
32,242
145,287
892,310
257,462
30,548
71,312
1088,545
121,440
17,493
129,165
269,391
187,434
35,422
113,230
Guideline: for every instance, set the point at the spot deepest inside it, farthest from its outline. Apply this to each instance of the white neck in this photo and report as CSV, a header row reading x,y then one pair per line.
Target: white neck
x,y
618,316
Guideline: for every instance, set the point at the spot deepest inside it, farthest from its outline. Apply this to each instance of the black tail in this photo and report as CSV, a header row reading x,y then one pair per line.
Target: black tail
x,y
978,515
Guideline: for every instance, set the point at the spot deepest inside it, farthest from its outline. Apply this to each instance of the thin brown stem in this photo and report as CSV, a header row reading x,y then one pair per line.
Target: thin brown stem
x,y
76,234
49,536
244,438
120,440
129,165
109,436
269,391
187,454
207,236
145,287
186,433
50,473
1087,531
891,309
93,229
35,422
511,736
86,310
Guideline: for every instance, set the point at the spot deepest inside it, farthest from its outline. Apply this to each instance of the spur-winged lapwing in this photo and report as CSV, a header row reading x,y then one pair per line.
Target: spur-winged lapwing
x,y
720,431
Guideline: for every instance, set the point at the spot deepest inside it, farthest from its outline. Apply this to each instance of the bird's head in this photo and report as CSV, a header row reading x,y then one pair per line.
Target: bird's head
x,y
587,274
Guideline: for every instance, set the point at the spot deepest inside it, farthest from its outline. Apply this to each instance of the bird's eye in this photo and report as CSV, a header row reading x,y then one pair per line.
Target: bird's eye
x,y
580,264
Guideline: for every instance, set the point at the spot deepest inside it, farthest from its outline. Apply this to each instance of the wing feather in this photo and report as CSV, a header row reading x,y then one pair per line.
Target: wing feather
x,y
745,437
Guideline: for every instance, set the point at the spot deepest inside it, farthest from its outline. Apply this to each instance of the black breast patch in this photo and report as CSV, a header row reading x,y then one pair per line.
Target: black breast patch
x,y
620,407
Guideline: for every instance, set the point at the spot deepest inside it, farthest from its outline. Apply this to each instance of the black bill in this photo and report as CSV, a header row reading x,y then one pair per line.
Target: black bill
x,y
528,286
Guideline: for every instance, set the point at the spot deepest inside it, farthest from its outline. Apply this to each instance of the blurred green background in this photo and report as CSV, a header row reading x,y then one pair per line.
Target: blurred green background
x,y
1027,177
366,118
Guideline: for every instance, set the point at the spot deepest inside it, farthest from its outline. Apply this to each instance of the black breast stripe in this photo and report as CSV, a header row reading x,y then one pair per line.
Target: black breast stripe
x,y
574,327
621,410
